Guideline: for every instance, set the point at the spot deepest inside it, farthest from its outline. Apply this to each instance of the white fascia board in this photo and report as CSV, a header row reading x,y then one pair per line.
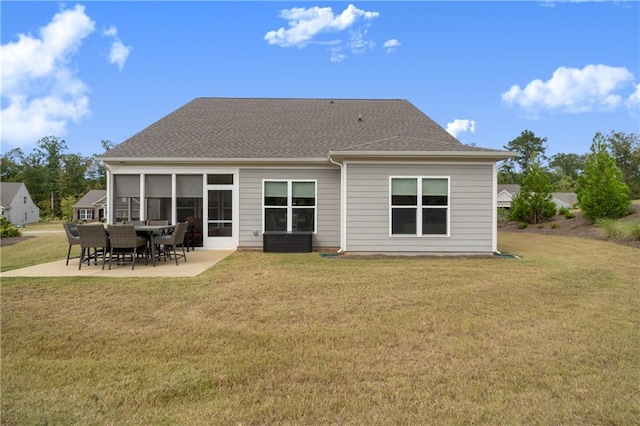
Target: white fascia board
x,y
469,155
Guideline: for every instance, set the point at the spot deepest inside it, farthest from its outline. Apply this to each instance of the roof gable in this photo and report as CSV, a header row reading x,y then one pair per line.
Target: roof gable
x,y
8,191
93,197
232,128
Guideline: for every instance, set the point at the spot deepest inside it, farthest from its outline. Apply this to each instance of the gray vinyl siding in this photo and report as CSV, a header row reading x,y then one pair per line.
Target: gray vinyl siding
x,y
327,210
471,208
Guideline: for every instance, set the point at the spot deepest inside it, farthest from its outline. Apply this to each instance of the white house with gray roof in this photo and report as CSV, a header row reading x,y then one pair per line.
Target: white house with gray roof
x,y
359,175
506,193
16,203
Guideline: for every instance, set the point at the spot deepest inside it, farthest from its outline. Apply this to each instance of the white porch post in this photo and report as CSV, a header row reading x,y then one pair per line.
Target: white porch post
x,y
143,204
174,199
107,205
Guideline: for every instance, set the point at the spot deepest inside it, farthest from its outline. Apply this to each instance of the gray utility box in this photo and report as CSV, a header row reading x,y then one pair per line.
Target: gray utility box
x,y
287,242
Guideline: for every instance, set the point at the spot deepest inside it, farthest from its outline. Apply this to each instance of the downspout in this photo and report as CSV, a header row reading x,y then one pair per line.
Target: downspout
x,y
343,204
494,216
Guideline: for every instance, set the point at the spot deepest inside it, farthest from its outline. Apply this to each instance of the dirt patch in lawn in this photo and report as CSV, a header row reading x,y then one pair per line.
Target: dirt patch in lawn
x,y
9,241
578,226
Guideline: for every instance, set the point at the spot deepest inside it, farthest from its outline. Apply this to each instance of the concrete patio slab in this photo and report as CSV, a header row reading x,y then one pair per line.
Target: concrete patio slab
x,y
197,262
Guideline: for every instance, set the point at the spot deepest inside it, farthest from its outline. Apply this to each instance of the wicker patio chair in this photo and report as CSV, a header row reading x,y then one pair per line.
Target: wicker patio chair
x,y
124,240
93,237
170,242
72,237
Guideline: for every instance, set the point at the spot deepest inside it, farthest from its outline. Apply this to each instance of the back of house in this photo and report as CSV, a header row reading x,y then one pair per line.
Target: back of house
x,y
354,175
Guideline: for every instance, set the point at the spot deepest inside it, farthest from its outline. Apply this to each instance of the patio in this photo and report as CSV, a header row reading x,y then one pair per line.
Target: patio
x,y
197,262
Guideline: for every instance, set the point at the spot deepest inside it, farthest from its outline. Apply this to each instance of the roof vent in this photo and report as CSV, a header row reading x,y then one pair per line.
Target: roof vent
x,y
359,117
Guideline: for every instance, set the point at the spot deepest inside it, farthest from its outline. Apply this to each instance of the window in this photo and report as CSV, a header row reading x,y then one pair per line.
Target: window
x,y
85,214
419,206
24,200
289,206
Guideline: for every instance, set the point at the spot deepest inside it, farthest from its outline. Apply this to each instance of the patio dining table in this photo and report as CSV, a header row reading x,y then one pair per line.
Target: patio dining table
x,y
151,231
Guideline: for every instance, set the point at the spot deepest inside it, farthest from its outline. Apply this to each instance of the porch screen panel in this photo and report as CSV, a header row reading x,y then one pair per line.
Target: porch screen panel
x,y
189,186
158,186
127,185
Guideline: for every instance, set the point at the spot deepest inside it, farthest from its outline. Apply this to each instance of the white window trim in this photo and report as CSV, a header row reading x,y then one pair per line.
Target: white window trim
x,y
82,214
419,208
289,206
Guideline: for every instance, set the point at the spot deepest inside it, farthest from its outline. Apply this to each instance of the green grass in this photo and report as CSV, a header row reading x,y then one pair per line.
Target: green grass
x,y
45,242
552,338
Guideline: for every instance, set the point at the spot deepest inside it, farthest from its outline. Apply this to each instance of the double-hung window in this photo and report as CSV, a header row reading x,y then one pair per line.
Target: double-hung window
x,y
85,214
289,205
419,206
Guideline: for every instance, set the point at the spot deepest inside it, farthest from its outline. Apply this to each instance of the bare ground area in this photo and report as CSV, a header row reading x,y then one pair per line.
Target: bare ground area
x,y
9,241
575,227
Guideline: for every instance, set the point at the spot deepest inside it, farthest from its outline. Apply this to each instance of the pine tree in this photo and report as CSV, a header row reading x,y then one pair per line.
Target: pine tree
x,y
602,193
533,203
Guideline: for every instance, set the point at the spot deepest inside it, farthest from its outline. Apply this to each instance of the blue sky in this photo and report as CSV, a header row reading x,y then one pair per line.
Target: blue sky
x,y
486,71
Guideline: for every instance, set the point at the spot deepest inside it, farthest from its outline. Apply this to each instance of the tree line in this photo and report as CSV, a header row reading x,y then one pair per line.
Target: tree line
x,y
564,169
55,178
605,179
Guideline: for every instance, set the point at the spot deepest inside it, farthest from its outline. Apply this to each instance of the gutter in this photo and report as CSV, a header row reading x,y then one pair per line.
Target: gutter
x,y
343,204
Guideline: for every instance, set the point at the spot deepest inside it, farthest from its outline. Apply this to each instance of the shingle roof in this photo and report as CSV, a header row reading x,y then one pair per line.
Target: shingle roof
x,y
570,198
91,198
246,128
512,189
8,191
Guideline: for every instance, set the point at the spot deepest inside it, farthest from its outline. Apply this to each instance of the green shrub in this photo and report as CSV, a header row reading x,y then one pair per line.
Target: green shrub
x,y
569,215
553,225
522,225
7,229
503,214
619,231
634,230
533,203
602,193
563,211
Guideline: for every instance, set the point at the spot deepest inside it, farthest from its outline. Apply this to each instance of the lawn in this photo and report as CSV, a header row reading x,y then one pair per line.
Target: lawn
x,y
551,338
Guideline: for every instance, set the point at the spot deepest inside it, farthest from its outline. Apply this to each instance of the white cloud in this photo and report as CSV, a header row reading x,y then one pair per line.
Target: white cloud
x,y
458,126
119,53
358,42
391,45
305,25
572,90
111,31
634,100
336,56
39,87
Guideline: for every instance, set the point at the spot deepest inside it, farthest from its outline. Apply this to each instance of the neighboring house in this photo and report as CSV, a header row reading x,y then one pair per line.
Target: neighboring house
x,y
16,203
374,176
506,193
92,206
565,199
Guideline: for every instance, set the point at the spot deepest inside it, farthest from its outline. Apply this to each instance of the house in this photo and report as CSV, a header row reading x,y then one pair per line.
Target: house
x,y
506,192
567,200
16,203
92,206
359,175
